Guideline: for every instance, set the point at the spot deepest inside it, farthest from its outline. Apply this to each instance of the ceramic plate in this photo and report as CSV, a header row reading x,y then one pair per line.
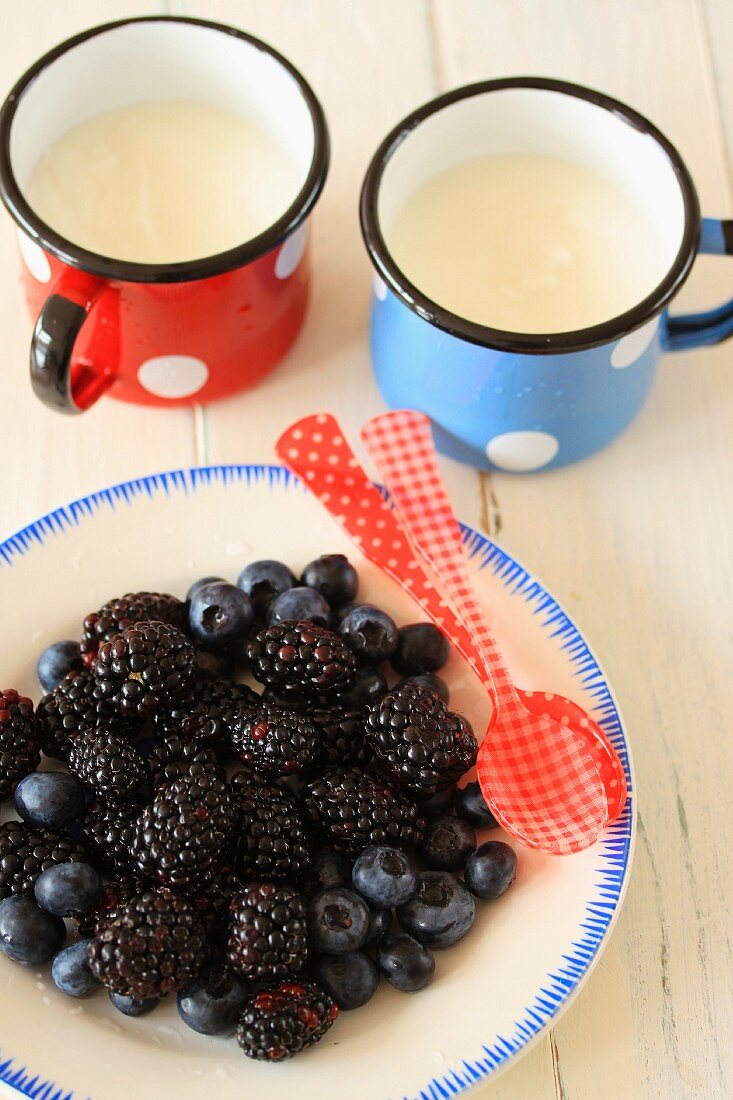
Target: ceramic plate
x,y
493,994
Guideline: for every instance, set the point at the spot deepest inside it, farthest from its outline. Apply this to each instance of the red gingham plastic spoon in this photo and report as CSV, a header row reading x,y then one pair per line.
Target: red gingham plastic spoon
x,y
402,447
428,520
315,449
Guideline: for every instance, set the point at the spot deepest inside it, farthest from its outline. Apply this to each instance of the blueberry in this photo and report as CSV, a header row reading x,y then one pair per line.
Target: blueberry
x,y
380,921
442,911
264,581
49,799
367,686
201,583
447,843
351,979
339,614
27,934
213,1003
66,888
421,648
406,964
430,681
334,577
56,662
338,921
326,870
219,613
71,972
384,876
370,633
214,666
131,1007
491,869
438,804
470,804
304,605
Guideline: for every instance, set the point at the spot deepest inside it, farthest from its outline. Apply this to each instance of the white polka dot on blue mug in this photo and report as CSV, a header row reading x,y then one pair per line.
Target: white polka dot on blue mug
x,y
527,401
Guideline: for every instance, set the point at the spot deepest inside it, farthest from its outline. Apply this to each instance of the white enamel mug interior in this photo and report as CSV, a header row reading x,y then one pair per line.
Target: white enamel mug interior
x,y
541,117
154,59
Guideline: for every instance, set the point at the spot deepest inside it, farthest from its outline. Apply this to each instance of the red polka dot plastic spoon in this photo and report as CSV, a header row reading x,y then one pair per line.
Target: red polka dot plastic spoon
x,y
539,778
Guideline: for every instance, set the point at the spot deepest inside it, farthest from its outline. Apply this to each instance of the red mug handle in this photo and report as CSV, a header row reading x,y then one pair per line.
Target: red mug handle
x,y
59,323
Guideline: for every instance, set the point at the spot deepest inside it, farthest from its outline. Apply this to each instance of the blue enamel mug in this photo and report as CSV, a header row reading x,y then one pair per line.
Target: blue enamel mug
x,y
529,401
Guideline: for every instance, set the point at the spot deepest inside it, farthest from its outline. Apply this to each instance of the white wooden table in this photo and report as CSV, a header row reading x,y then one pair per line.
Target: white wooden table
x,y
637,542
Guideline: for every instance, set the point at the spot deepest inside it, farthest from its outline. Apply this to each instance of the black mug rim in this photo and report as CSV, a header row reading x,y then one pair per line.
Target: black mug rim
x,y
502,339
201,268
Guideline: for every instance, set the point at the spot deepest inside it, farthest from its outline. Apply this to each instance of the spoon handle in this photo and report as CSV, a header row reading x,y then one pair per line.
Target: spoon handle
x,y
316,450
401,445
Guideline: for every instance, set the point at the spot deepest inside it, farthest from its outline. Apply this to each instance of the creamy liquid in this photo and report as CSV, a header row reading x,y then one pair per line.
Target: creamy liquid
x,y
527,243
163,182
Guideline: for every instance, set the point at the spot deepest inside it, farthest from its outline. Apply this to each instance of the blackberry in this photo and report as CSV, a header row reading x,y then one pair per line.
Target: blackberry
x,y
355,810
19,741
25,851
109,828
145,668
214,666
114,617
343,735
341,725
274,741
420,743
281,1021
272,837
185,833
75,706
154,944
213,900
174,756
115,892
107,764
300,657
205,714
268,932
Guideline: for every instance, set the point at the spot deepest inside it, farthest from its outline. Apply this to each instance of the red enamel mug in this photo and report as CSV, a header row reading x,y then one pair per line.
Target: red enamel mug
x,y
161,334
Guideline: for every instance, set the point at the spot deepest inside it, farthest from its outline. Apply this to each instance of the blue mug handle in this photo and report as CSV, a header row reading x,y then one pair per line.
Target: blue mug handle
x,y
694,330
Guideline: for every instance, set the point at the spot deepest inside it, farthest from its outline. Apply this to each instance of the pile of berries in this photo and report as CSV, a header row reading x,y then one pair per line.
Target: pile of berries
x,y
266,850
